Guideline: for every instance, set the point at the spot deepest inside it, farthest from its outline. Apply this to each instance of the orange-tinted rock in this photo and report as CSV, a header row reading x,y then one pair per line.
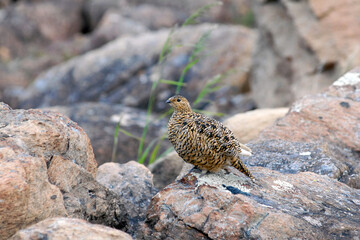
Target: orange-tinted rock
x,y
331,116
227,206
311,44
29,141
69,228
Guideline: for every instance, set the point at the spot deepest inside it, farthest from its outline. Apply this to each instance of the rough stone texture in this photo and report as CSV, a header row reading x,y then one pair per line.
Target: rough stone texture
x,y
247,126
69,228
331,116
30,140
279,206
326,128
99,120
85,198
287,156
312,44
123,70
132,183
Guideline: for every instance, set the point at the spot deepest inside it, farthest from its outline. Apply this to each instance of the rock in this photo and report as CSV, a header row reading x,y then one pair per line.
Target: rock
x,y
85,198
112,26
132,183
305,52
30,140
288,156
36,36
94,10
323,128
153,17
67,228
123,71
229,11
99,120
247,126
166,169
228,206
310,191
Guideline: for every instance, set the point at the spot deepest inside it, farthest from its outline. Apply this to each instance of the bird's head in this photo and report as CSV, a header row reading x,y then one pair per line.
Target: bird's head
x,y
179,103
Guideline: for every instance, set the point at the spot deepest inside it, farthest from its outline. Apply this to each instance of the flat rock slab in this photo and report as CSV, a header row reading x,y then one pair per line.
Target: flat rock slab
x,y
69,228
278,206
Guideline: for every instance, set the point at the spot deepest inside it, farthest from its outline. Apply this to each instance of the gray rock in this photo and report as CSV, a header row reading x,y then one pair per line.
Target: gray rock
x,y
337,162
132,183
123,70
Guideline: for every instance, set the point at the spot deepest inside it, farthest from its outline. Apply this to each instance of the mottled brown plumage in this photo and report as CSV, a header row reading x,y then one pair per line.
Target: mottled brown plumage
x,y
203,141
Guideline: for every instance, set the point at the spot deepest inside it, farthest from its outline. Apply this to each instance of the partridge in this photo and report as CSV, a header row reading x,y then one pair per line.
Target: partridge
x,y
203,141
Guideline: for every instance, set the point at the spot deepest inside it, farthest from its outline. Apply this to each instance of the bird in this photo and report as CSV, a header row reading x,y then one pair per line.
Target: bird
x,y
203,141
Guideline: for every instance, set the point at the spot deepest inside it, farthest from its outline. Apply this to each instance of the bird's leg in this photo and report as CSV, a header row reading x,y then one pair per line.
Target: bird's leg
x,y
203,172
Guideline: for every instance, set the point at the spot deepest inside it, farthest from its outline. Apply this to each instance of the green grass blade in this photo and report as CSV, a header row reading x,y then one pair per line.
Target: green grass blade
x,y
171,82
198,13
129,134
146,151
115,142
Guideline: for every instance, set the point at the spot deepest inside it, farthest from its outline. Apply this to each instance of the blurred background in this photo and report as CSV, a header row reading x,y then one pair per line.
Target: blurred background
x,y
110,65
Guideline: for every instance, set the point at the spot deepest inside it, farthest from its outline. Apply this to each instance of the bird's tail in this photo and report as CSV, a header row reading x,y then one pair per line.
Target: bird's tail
x,y
239,165
245,150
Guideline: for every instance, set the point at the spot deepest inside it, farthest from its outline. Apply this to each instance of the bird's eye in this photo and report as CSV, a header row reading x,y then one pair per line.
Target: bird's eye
x,y
178,99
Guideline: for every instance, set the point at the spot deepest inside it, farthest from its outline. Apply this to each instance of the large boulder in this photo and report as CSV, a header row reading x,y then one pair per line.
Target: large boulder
x,y
279,206
30,141
132,183
69,228
321,133
312,44
123,71
307,180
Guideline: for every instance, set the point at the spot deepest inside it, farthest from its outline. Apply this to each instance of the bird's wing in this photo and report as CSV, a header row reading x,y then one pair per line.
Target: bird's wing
x,y
217,135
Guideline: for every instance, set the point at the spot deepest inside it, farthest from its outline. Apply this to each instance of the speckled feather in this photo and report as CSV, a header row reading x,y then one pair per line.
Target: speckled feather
x,y
203,141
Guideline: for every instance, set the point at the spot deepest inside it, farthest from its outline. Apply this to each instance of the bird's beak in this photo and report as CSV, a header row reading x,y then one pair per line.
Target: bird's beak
x,y
168,101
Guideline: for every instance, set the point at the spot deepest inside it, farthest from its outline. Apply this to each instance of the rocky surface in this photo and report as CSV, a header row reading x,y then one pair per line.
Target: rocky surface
x,y
45,150
321,133
307,171
69,228
279,206
99,120
123,70
312,45
132,183
30,140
